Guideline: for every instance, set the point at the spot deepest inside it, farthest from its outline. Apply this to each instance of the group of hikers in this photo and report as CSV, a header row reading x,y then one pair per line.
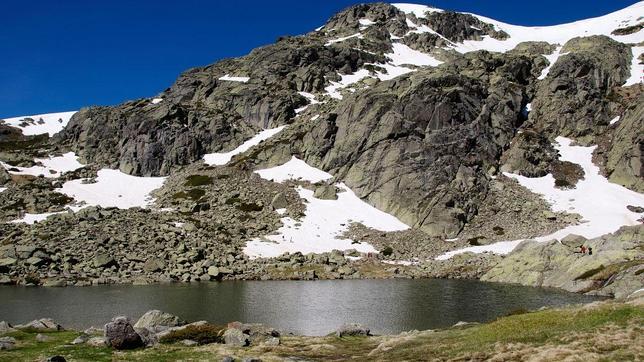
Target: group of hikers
x,y
585,250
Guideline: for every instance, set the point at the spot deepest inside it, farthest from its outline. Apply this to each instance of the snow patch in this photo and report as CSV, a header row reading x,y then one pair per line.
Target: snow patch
x,y
391,71
30,219
418,10
552,59
294,169
321,228
50,123
234,79
324,222
156,100
637,68
402,54
52,167
338,40
312,101
113,188
366,22
601,204
333,90
218,159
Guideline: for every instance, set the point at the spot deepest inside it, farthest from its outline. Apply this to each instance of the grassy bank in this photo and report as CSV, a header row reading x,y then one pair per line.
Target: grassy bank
x,y
600,331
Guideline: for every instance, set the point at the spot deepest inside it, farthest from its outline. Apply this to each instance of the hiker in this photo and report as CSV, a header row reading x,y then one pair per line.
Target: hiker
x,y
582,249
590,251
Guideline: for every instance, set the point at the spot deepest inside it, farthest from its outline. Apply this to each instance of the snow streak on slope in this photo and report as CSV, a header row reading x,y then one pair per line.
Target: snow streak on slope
x,y
403,54
312,101
51,167
234,79
50,123
601,204
552,59
637,68
324,222
338,40
113,188
347,79
30,219
218,159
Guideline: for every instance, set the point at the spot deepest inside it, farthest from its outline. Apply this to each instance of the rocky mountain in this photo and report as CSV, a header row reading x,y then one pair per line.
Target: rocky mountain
x,y
430,116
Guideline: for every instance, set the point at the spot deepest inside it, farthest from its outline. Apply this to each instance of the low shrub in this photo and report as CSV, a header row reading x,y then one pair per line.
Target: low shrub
x,y
387,251
192,194
202,334
198,180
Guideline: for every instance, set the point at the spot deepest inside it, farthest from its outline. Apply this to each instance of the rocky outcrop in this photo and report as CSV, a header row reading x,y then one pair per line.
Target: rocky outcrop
x,y
613,269
625,154
530,154
419,146
572,100
202,113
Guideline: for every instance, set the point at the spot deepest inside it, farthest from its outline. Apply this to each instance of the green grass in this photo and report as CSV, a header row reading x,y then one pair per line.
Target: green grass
x,y
534,328
28,349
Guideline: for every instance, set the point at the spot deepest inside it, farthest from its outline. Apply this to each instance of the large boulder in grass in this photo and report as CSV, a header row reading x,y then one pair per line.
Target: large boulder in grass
x,y
6,328
256,333
157,321
352,329
120,334
236,337
41,325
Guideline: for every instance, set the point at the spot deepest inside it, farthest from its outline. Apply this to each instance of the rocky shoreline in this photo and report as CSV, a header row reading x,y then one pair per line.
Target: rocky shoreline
x,y
612,270
159,335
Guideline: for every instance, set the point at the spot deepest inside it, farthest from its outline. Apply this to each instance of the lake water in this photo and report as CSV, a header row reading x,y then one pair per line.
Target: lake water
x,y
302,307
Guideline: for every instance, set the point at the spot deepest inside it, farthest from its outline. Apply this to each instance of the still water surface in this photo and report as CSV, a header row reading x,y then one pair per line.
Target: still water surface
x,y
302,307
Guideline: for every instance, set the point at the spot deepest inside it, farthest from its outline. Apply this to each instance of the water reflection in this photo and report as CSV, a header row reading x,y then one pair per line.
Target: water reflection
x,y
303,307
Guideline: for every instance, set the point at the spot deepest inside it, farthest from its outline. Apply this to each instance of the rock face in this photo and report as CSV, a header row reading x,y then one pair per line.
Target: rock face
x,y
613,269
530,154
418,146
202,113
625,156
119,334
572,100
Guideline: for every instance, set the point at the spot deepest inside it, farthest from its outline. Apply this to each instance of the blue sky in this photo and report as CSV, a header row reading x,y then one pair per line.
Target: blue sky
x,y
63,55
